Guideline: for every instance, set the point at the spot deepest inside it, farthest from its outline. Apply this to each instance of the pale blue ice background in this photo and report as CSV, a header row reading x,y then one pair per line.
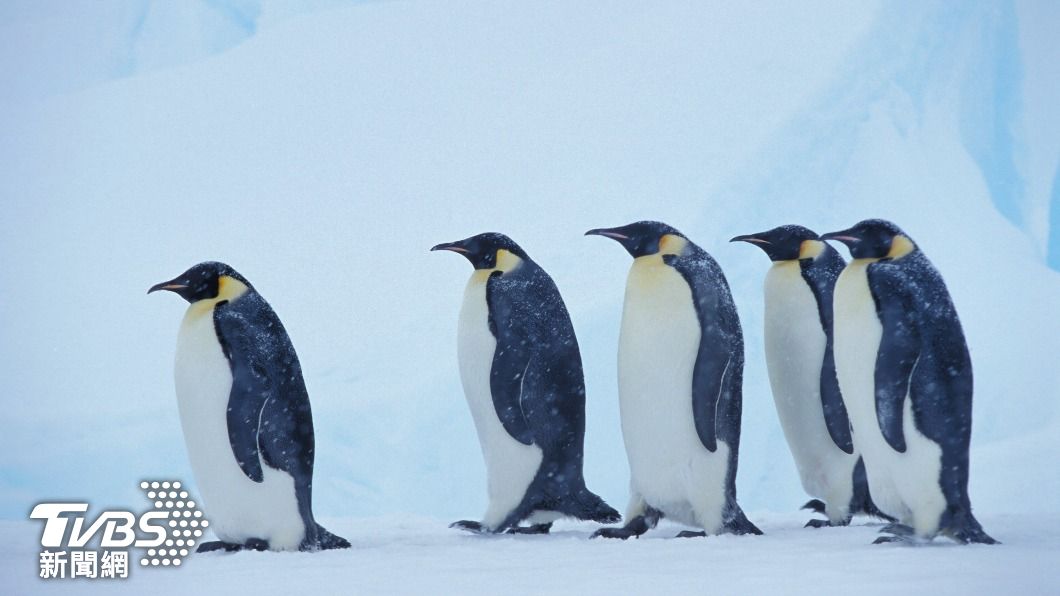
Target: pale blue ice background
x,y
322,147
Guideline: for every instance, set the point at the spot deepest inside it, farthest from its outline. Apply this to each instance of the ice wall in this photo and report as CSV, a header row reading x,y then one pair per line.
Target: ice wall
x,y
323,155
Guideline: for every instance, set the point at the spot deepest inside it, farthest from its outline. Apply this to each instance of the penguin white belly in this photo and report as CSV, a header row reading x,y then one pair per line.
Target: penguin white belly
x,y
669,466
905,485
237,507
795,344
510,465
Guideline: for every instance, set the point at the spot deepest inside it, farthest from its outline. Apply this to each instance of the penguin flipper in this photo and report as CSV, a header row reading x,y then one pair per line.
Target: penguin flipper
x,y
713,360
820,274
896,356
268,389
835,412
707,382
507,389
511,360
250,391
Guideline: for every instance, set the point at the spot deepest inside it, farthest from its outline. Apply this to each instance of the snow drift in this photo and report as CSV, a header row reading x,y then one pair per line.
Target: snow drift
x,y
325,154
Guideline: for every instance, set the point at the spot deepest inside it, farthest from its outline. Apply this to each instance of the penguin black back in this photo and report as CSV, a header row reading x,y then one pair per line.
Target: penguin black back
x,y
716,390
536,383
820,265
923,357
268,417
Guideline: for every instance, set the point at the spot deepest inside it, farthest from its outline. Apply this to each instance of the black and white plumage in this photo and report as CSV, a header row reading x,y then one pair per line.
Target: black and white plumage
x,y
245,414
800,358
906,377
521,370
680,385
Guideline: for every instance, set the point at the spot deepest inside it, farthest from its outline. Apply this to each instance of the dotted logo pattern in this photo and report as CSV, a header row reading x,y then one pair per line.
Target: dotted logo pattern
x,y
185,526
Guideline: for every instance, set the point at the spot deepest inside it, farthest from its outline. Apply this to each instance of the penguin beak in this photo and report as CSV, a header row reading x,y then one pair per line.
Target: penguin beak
x,y
609,232
451,246
171,285
843,236
750,238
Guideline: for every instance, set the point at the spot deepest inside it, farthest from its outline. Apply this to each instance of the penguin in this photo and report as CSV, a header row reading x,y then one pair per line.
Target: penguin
x,y
680,375
801,364
906,379
245,414
522,376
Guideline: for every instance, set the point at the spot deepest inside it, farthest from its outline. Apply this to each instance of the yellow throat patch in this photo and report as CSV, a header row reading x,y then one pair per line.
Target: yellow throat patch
x,y
228,288
505,261
810,249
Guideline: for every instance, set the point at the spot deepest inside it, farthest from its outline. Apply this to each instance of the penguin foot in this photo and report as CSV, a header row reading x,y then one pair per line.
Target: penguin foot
x,y
323,540
690,534
873,511
469,526
256,544
974,537
972,533
586,505
889,539
636,526
534,529
826,523
740,525
901,533
815,505
964,528
209,547
620,533
898,529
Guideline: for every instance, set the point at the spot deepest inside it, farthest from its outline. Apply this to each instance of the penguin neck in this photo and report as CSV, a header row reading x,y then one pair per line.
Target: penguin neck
x,y
229,289
669,244
811,249
901,247
672,244
786,265
650,273
506,263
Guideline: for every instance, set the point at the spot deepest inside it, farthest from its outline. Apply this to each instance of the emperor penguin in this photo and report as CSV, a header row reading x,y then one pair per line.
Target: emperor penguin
x,y
801,363
522,375
245,414
680,375
906,379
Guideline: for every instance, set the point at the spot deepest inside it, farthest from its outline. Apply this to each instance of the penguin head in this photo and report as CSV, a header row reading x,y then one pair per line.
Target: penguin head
x,y
786,243
643,238
204,281
874,239
485,251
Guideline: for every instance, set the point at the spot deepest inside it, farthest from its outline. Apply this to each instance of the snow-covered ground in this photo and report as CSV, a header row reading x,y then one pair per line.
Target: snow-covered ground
x,y
399,555
323,153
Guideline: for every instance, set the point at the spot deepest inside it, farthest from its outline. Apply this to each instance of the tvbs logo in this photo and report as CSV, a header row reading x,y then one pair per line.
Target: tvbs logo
x,y
166,532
